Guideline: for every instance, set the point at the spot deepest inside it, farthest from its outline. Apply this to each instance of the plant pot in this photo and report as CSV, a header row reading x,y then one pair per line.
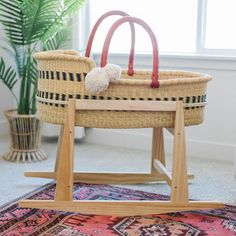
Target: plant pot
x,y
25,138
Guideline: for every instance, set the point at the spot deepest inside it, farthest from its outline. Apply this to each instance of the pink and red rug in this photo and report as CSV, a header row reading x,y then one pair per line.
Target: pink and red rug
x,y
15,221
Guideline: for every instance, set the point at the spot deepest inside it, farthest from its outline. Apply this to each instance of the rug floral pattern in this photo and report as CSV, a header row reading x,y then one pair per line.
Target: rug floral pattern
x,y
15,221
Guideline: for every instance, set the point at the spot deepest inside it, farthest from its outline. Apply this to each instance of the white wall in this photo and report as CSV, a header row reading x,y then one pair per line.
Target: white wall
x,y
216,137
6,99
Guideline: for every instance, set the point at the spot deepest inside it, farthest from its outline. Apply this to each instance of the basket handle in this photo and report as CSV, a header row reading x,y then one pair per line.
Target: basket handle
x,y
94,30
155,70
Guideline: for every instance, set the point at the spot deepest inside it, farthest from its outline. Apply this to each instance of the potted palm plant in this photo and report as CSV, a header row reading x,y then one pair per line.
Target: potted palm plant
x,y
30,26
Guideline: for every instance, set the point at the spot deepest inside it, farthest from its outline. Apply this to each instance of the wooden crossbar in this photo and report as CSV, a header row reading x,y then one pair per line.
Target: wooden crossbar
x,y
125,105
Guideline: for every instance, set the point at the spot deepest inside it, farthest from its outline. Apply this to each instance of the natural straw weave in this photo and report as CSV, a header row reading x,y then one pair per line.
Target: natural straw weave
x,y
25,140
62,74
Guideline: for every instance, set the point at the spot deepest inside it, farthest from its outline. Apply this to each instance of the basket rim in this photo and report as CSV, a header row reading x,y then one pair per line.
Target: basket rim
x,y
13,113
182,76
68,55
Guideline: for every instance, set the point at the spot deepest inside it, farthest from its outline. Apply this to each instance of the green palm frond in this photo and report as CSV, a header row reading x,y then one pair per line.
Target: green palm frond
x,y
18,55
12,18
39,15
30,26
19,58
70,7
16,52
8,76
60,40
33,72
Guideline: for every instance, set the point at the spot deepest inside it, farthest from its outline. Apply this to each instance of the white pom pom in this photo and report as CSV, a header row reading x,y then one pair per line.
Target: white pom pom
x,y
96,81
113,71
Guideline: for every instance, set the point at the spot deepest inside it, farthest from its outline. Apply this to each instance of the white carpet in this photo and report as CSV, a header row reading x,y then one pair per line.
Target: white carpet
x,y
214,180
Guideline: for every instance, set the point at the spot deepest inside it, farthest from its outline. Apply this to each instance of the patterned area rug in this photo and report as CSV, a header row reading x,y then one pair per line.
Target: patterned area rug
x,y
15,221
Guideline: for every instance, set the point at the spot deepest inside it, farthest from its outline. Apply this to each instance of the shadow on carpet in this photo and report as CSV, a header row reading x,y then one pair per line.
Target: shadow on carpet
x,y
15,221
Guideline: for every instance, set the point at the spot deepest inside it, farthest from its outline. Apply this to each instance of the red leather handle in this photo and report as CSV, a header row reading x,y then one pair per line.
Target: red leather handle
x,y
94,30
155,71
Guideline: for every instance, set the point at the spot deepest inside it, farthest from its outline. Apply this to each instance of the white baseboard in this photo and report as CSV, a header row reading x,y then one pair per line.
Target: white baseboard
x,y
129,139
3,128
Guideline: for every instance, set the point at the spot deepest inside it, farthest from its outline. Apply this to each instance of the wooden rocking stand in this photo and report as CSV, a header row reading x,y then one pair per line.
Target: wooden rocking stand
x,y
177,180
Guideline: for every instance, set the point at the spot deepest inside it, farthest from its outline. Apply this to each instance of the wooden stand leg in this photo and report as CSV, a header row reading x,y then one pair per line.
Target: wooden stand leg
x,y
158,155
179,188
64,186
158,152
178,181
59,147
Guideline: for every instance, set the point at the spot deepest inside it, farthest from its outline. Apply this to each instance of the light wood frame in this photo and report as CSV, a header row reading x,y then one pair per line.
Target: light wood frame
x,y
177,180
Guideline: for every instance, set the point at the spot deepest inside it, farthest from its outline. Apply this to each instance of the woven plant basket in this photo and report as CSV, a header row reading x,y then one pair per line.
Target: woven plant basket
x,y
25,138
62,75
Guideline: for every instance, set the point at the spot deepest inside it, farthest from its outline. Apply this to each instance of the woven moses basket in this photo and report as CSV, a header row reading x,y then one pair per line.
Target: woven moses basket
x,y
62,76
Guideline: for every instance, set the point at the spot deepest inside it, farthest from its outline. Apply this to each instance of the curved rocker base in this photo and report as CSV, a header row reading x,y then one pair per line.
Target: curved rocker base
x,y
120,208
